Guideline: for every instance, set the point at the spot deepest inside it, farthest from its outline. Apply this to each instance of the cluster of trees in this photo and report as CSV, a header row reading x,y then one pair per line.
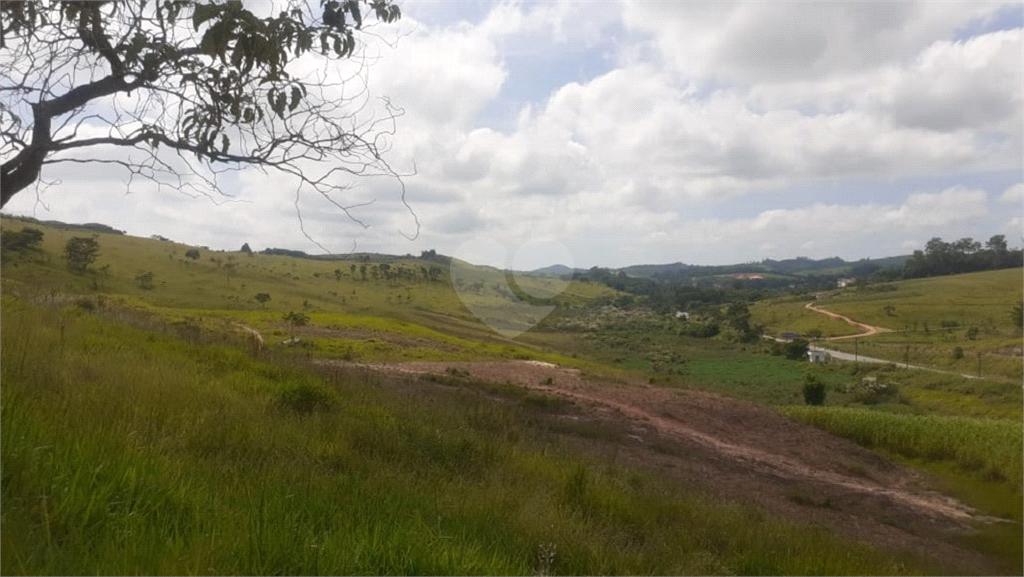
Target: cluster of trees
x,y
667,297
961,256
24,240
385,271
79,251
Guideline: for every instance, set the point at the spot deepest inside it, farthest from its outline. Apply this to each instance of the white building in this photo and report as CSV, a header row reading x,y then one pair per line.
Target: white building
x,y
818,356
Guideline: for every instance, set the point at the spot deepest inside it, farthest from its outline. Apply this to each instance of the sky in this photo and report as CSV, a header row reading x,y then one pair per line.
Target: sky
x,y
614,133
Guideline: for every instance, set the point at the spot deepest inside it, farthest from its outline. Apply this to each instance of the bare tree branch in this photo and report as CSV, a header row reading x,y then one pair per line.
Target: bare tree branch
x,y
189,89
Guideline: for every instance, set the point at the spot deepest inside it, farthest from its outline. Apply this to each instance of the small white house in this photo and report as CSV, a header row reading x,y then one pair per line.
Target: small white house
x,y
818,356
683,316
846,282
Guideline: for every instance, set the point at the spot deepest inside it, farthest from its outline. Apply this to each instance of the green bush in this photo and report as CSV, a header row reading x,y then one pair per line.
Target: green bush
x,y
814,390
306,398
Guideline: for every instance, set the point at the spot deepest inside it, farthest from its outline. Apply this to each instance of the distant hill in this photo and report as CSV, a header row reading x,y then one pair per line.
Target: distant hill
x,y
555,270
86,227
799,266
793,267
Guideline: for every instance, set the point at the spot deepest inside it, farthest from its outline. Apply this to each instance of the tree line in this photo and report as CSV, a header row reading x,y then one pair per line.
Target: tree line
x,y
965,255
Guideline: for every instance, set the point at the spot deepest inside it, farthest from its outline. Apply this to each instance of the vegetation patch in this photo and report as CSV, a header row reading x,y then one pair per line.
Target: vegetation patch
x,y
992,448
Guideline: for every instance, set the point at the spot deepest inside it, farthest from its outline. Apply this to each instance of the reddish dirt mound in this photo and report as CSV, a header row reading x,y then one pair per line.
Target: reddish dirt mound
x,y
741,451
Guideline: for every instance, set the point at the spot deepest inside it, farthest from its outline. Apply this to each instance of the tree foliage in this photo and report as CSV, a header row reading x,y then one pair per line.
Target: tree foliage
x,y
80,252
814,390
964,255
21,240
178,90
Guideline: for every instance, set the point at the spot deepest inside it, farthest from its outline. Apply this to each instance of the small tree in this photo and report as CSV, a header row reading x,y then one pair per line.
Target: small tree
x,y
262,298
81,252
246,249
1018,314
296,320
192,254
814,390
796,350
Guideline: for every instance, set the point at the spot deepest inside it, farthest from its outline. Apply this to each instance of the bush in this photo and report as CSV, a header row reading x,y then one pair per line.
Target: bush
x,y
814,390
307,398
871,392
796,350
81,252
958,353
21,240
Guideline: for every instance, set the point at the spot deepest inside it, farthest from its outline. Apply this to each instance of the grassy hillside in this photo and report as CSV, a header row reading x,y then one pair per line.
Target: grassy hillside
x,y
952,323
341,294
130,452
144,430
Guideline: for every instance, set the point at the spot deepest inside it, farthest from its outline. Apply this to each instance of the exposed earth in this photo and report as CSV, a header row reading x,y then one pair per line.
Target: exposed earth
x,y
739,451
868,329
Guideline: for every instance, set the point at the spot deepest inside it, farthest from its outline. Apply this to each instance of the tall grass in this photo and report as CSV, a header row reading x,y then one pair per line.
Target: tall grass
x,y
992,447
126,451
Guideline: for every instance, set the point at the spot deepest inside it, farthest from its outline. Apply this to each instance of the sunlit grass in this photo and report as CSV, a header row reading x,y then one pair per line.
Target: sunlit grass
x,y
990,447
127,451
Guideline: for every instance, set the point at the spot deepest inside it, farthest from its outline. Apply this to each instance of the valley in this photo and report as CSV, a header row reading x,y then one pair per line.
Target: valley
x,y
230,412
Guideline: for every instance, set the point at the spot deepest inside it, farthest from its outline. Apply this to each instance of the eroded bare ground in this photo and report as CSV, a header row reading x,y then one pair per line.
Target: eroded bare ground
x,y
741,451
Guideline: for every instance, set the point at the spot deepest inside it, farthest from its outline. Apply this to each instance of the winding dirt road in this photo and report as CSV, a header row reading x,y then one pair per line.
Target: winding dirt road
x,y
868,329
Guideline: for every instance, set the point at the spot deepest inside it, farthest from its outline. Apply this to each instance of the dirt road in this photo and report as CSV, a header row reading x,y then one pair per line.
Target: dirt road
x,y
868,329
740,451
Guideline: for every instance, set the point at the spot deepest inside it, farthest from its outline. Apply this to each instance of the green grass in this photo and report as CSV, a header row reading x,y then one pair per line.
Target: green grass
x,y
982,299
126,451
225,283
932,317
992,448
996,352
978,461
789,316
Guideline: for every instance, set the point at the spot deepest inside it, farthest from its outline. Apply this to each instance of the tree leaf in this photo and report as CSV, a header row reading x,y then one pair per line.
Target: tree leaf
x,y
202,13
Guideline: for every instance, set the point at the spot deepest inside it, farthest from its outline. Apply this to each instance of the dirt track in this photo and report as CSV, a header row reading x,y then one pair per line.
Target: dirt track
x,y
868,329
740,451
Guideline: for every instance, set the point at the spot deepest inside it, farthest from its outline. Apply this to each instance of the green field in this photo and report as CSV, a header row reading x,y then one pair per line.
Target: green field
x,y
951,323
145,431
130,452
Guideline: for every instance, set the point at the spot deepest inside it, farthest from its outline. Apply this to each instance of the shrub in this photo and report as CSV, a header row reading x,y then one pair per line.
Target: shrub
x,y
81,252
958,353
796,350
814,390
21,240
871,392
306,398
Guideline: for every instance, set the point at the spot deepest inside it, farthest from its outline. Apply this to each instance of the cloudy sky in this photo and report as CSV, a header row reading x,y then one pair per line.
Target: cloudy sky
x,y
648,132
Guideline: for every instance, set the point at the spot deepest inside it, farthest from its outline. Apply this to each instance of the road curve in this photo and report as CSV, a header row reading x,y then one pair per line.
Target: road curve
x,y
868,329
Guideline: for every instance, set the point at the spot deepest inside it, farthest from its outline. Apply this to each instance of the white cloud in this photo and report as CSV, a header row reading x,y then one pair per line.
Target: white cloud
x,y
714,106
766,42
1014,194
